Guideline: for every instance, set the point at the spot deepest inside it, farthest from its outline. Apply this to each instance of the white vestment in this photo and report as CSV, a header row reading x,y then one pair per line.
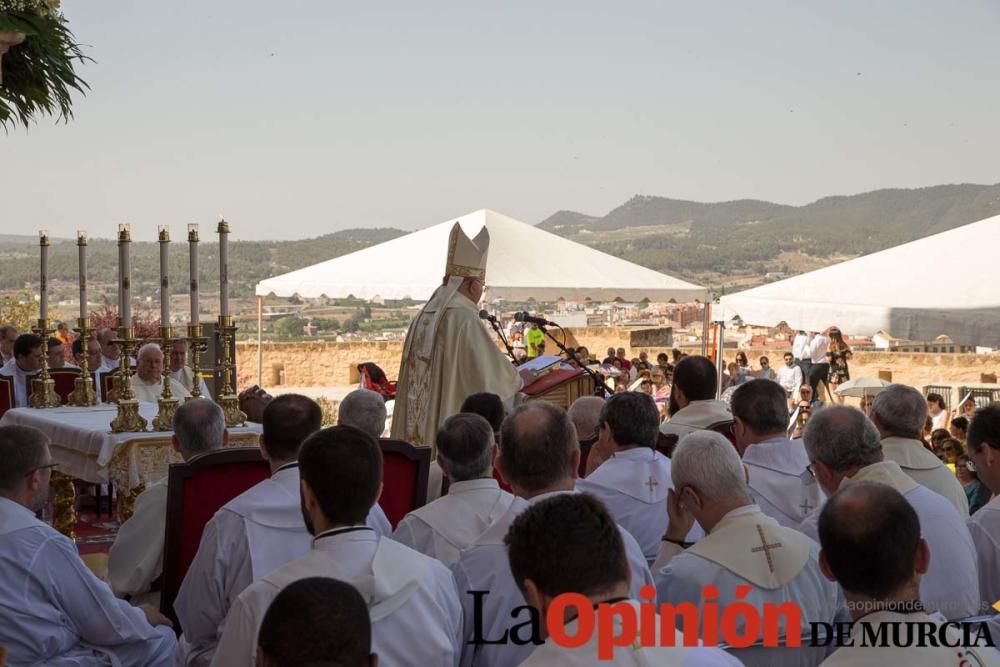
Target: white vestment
x,y
150,392
463,360
443,528
21,379
483,566
779,482
55,612
926,470
747,547
863,654
984,526
185,377
633,484
551,654
951,585
136,557
697,416
414,608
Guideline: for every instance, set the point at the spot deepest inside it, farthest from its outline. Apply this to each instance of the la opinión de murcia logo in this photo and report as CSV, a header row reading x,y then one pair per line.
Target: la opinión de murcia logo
x,y
737,624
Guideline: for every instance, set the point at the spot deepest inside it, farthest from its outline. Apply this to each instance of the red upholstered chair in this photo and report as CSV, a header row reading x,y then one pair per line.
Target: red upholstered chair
x,y
196,490
405,469
64,379
6,393
373,378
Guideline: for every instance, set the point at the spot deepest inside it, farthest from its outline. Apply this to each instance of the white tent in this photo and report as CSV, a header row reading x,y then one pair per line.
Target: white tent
x,y
942,284
524,262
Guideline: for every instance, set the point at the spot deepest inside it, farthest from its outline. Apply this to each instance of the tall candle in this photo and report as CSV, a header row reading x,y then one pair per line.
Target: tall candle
x,y
193,252
223,268
164,276
43,308
125,269
81,244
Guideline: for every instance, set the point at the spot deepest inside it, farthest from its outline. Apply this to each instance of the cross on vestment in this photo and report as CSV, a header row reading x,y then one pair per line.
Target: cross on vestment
x,y
765,547
651,483
805,506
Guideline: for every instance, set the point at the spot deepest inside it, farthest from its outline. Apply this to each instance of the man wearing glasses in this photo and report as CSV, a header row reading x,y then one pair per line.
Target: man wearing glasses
x,y
53,610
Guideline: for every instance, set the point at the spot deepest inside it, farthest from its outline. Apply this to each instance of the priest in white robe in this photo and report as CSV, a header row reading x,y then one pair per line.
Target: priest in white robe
x,y
475,501
180,371
693,406
845,448
899,413
984,452
777,475
744,547
135,560
147,383
54,611
448,354
872,523
412,601
539,458
27,361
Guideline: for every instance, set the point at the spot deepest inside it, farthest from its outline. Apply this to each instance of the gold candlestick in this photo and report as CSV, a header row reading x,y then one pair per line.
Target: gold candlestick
x,y
43,394
83,394
128,419
164,419
228,401
197,344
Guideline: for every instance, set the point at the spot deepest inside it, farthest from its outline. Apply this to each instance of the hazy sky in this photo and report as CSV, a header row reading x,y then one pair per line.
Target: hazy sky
x,y
303,117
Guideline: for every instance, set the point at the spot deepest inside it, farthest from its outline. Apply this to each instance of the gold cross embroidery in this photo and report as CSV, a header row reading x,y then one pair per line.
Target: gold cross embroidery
x,y
765,547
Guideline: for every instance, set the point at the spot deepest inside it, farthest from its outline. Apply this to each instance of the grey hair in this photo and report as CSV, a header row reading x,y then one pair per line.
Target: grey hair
x,y
707,461
22,449
199,426
146,349
465,444
585,413
900,411
363,409
842,438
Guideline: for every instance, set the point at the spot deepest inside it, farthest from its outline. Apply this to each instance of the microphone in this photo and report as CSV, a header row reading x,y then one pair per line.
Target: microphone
x,y
523,316
483,315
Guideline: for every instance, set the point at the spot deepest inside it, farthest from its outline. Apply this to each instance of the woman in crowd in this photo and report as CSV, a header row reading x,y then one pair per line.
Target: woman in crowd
x,y
866,404
583,355
938,436
743,364
839,354
968,408
765,372
958,428
951,449
937,410
975,491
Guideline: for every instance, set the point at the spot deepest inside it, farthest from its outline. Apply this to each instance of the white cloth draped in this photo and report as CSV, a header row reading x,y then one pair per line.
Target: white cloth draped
x,y
150,392
779,482
185,377
926,470
697,416
136,556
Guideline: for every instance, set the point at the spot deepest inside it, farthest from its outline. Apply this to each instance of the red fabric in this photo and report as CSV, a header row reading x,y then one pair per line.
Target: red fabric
x,y
385,387
399,480
6,394
552,379
503,485
205,494
65,382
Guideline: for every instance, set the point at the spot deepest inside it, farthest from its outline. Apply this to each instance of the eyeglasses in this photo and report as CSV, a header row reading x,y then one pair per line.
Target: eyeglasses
x,y
50,466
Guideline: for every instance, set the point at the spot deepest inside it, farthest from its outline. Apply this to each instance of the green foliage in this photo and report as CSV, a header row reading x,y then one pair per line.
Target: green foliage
x,y
20,310
289,326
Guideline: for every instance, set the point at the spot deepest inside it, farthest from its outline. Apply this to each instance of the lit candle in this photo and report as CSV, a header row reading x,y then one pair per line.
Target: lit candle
x,y
223,268
164,275
43,308
81,244
193,252
125,273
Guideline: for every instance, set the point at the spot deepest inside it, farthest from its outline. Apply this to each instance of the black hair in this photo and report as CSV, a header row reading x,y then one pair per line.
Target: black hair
x,y
287,421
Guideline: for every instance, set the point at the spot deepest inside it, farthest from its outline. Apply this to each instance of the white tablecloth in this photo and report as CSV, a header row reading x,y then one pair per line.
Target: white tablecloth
x,y
81,439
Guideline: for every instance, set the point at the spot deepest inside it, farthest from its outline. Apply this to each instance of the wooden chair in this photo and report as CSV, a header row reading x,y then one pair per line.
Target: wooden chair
x,y
6,393
196,490
103,384
64,379
405,469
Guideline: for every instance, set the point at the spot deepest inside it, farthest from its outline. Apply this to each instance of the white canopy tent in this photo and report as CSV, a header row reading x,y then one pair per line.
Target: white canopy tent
x,y
941,284
524,262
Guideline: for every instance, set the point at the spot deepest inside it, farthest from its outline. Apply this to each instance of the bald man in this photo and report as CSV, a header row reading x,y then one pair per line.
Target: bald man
x,y
147,383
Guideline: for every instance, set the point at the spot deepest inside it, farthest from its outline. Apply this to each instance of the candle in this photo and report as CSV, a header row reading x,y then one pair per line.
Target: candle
x,y
223,268
43,308
125,274
164,276
81,244
193,252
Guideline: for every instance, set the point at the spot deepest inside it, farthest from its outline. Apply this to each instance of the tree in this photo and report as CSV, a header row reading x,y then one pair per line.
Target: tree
x,y
20,310
289,326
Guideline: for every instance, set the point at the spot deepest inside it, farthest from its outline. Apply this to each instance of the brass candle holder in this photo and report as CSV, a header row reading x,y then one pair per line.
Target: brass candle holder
x,y
128,419
197,343
83,394
227,398
43,393
164,419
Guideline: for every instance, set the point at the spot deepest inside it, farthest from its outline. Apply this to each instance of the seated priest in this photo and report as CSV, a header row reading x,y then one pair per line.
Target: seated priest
x,y
56,354
110,350
93,354
135,561
54,611
27,361
180,371
147,383
8,334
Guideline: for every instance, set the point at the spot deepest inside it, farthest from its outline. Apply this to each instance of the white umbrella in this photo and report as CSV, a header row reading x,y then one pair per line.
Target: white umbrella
x,y
861,387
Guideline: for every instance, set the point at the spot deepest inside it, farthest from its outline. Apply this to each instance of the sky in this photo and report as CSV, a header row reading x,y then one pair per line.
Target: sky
x,y
300,118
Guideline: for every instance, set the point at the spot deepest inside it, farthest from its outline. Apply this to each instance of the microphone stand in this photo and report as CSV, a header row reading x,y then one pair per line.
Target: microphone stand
x,y
503,339
600,387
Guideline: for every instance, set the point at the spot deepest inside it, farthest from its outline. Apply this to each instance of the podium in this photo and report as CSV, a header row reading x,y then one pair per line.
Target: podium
x,y
560,387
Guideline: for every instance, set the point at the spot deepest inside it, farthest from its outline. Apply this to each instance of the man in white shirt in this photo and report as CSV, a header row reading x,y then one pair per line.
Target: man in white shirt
x,y
800,350
93,353
776,466
899,413
844,449
136,557
412,600
147,383
873,524
180,371
984,452
111,351
442,528
8,334
819,370
55,357
544,546
790,377
627,473
27,361
692,399
744,547
539,457
54,611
